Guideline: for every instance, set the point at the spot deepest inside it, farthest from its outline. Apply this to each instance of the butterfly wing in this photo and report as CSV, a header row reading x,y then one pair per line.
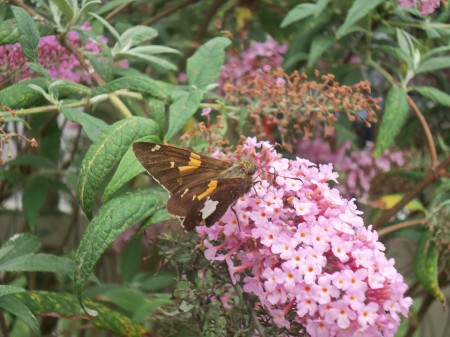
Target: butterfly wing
x,y
208,200
175,168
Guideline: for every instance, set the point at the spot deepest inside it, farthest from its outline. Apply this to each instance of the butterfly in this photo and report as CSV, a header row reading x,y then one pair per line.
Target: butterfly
x,y
201,188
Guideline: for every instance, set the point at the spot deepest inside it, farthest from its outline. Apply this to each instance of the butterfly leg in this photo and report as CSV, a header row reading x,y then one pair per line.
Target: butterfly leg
x,y
237,218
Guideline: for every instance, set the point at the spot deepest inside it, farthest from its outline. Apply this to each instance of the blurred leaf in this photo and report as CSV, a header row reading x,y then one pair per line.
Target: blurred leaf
x,y
66,305
33,198
128,168
358,10
112,219
299,12
130,258
433,64
31,160
7,290
93,126
151,59
203,68
8,32
157,110
28,33
307,31
16,307
395,112
19,95
434,94
141,84
405,41
105,153
318,46
39,262
38,69
426,266
181,110
125,298
19,245
147,308
65,8
390,200
134,36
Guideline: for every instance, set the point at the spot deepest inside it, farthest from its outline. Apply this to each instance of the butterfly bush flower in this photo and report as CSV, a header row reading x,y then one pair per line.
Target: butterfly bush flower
x,y
260,55
359,168
425,6
55,58
305,253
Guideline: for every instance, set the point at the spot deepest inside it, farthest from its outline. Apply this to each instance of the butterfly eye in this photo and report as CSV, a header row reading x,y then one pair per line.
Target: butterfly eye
x,y
251,171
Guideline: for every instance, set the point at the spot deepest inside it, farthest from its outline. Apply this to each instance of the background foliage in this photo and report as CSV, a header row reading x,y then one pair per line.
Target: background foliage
x,y
80,81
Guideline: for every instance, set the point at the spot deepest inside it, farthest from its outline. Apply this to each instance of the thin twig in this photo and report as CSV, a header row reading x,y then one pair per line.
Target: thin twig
x,y
167,11
117,10
401,225
427,130
95,76
27,9
433,174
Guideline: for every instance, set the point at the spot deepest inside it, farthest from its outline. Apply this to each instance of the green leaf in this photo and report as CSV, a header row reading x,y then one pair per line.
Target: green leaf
x,y
19,94
359,9
105,153
128,168
426,266
157,110
64,7
33,198
433,64
19,245
31,160
111,220
8,32
38,69
93,126
39,262
28,33
395,112
130,259
203,68
134,36
67,305
434,94
16,307
405,41
7,290
321,6
141,84
320,44
298,13
181,110
151,59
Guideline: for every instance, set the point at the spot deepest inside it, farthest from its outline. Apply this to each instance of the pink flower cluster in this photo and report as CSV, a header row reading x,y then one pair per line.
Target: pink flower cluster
x,y
55,58
359,168
425,6
261,55
304,251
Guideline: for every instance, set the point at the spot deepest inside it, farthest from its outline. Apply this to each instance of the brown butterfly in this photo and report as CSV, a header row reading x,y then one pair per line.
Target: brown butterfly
x,y
201,188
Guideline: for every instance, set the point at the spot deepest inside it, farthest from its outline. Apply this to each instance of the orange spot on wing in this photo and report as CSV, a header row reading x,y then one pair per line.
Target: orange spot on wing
x,y
211,187
185,170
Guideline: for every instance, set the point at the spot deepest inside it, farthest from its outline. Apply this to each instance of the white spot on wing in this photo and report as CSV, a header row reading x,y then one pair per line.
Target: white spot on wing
x,y
208,208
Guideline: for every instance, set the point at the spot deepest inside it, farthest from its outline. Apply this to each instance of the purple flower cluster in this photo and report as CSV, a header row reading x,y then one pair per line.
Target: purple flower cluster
x,y
304,251
359,168
55,58
261,55
425,6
